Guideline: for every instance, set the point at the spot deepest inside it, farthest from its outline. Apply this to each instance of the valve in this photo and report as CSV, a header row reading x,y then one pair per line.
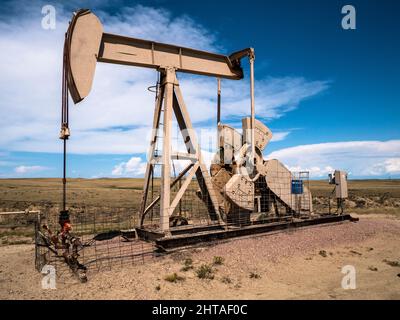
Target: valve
x,y
64,133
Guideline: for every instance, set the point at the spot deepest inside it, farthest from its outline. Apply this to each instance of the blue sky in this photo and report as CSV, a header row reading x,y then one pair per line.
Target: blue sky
x,y
329,95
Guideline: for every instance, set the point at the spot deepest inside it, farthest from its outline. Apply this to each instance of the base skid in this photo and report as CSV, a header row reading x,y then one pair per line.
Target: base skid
x,y
183,237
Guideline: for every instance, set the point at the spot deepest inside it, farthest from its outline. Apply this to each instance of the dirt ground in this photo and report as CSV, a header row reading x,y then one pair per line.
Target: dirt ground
x,y
301,264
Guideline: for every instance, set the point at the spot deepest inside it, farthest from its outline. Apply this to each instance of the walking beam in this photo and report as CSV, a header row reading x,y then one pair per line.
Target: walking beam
x,y
87,44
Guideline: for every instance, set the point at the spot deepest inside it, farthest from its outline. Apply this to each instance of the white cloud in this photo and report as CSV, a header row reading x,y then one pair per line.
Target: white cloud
x,y
392,165
274,96
315,171
387,167
115,116
279,136
360,158
29,169
159,25
134,167
118,169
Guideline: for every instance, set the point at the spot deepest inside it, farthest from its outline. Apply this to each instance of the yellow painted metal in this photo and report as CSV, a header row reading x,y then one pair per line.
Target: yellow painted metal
x,y
88,44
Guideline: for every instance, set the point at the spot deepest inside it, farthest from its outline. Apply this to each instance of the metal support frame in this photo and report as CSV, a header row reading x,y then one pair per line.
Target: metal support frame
x,y
88,44
169,101
150,155
219,102
253,150
193,237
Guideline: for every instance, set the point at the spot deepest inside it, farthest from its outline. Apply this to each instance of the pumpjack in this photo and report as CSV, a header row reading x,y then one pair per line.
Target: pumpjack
x,y
239,181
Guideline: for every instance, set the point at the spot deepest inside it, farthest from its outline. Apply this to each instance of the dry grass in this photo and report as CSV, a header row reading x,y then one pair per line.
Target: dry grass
x,y
392,263
362,188
254,275
205,271
365,196
174,277
187,264
217,261
96,192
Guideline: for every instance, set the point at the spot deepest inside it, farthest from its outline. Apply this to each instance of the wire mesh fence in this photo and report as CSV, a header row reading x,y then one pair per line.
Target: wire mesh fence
x,y
106,240
109,238
238,206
